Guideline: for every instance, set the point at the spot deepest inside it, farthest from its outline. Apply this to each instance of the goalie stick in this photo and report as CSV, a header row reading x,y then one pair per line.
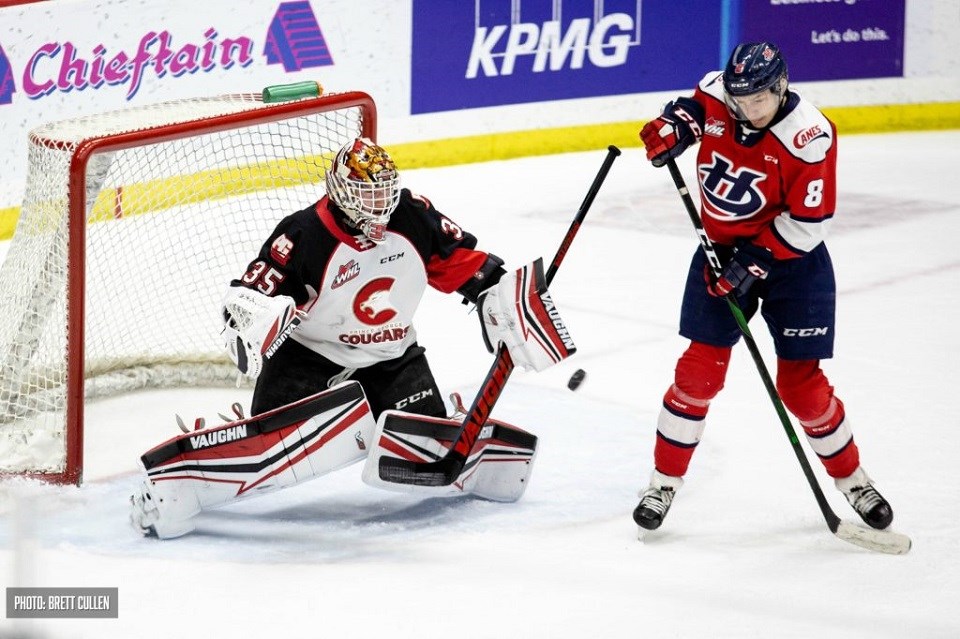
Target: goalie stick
x,y
445,471
885,541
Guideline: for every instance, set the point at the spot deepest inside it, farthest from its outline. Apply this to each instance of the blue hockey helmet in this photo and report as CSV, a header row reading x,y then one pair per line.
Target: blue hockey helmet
x,y
755,67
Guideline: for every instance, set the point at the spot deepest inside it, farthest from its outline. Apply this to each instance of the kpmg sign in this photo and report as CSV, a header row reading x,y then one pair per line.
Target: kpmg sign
x,y
479,53
491,52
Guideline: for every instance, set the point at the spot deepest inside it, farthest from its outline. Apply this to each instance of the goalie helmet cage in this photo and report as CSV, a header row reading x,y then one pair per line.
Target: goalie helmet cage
x,y
133,222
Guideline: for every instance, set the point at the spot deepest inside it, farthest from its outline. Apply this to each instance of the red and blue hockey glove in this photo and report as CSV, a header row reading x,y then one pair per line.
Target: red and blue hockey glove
x,y
748,264
669,135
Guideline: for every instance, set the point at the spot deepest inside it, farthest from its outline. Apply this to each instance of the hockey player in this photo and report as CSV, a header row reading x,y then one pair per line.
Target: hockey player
x,y
322,318
767,175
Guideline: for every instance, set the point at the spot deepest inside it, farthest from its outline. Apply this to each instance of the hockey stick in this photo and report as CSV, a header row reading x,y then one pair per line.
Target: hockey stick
x,y
869,538
445,471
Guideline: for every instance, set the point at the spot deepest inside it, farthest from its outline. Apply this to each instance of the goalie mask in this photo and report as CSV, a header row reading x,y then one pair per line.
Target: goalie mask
x,y
363,182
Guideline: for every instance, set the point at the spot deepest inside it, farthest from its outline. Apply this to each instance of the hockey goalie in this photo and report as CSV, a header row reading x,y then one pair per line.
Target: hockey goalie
x,y
323,320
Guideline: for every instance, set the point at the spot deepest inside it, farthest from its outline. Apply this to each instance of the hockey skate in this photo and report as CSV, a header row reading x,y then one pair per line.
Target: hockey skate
x,y
865,499
656,499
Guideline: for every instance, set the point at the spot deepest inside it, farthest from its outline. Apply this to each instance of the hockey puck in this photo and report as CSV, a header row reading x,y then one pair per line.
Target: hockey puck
x,y
576,379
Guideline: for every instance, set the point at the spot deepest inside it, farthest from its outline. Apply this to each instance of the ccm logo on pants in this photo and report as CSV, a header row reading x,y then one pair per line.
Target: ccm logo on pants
x,y
805,332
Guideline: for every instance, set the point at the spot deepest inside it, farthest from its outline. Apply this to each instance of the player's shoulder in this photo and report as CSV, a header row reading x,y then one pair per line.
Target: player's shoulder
x,y
304,231
712,85
307,218
413,210
414,201
805,132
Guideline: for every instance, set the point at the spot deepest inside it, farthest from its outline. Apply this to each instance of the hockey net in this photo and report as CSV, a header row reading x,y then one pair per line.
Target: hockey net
x,y
132,224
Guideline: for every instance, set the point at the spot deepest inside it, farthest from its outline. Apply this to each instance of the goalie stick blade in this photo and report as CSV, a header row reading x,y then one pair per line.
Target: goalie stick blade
x,y
439,473
884,541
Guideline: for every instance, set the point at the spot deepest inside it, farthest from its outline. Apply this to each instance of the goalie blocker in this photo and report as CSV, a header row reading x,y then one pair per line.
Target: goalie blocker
x,y
212,467
519,311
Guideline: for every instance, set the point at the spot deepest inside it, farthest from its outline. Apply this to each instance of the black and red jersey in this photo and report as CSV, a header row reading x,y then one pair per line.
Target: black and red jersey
x,y
359,296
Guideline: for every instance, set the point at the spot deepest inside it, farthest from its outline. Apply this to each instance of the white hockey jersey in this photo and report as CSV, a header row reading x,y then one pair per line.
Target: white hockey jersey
x,y
360,297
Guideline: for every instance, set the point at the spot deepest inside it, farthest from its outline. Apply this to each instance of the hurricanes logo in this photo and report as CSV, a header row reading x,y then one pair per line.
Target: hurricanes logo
x,y
807,136
731,193
372,304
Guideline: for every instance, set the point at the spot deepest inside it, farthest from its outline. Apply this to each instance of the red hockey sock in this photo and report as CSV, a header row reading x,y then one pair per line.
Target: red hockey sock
x,y
699,376
808,395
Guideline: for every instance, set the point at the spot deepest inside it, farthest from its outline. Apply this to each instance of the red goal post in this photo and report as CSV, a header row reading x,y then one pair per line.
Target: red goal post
x,y
132,224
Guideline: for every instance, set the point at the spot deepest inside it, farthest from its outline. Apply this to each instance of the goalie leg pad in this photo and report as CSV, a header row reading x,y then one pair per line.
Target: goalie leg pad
x,y
498,467
215,466
519,312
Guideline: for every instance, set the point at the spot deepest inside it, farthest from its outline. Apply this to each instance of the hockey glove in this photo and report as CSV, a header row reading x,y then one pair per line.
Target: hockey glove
x,y
748,264
673,132
255,325
519,312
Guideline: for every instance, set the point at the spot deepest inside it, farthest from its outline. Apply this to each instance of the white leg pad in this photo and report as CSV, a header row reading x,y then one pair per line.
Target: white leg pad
x,y
215,466
498,467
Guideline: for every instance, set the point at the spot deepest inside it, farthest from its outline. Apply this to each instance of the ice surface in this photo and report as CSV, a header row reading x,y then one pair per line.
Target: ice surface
x,y
745,551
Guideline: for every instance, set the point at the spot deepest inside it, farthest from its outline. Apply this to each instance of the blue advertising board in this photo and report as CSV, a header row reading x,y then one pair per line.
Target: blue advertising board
x,y
477,53
832,39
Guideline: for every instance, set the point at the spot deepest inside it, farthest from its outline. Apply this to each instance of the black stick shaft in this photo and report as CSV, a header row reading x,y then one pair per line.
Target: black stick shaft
x,y
503,366
445,470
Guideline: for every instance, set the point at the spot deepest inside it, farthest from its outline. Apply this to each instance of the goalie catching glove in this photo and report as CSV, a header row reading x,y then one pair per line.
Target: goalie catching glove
x,y
255,325
519,312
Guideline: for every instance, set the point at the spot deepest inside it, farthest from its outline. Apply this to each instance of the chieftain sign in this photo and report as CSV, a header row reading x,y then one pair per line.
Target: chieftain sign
x,y
293,39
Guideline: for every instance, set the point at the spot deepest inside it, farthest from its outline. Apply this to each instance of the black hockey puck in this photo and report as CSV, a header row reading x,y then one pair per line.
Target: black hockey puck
x,y
576,379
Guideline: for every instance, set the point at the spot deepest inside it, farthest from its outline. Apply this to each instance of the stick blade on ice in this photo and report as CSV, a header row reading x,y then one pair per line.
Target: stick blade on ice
x,y
885,541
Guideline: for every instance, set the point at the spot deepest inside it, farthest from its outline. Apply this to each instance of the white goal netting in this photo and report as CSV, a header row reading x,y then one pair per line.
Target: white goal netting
x,y
178,198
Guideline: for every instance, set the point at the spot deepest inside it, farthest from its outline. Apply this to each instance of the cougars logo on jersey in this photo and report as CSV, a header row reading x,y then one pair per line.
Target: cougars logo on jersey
x,y
730,192
372,304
